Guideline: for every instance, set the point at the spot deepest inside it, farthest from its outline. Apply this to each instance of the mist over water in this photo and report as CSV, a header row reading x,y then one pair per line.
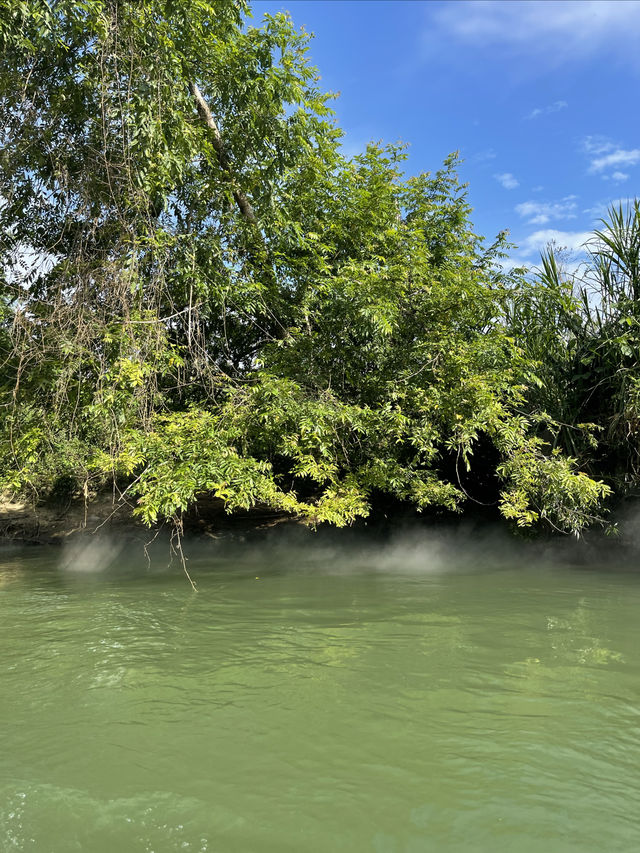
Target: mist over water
x,y
458,691
457,545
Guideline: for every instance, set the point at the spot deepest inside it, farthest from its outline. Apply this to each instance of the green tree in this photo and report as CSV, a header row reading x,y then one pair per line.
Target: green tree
x,y
223,303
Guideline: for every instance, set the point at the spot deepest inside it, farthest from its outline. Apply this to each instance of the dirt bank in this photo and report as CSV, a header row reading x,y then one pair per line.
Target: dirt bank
x,y
50,523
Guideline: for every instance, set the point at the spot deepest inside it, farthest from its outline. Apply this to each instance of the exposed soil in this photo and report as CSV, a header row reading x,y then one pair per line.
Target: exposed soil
x,y
51,523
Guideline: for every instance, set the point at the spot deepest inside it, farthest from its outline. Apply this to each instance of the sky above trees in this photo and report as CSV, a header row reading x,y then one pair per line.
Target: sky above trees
x,y
540,98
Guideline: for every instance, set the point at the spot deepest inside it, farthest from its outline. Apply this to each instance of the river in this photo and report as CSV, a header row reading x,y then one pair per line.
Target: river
x,y
394,700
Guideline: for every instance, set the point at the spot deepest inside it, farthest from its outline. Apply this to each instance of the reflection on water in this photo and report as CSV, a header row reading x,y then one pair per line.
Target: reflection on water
x,y
308,700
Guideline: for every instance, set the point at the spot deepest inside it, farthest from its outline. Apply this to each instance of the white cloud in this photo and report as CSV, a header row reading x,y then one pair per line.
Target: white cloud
x,y
619,157
555,107
559,29
513,262
508,181
539,213
597,144
572,240
605,154
483,156
600,210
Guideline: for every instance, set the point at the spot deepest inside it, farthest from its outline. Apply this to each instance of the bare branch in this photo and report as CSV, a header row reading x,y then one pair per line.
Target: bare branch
x,y
244,205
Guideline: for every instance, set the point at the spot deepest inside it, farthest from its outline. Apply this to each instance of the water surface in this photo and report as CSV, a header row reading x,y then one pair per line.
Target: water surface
x,y
307,701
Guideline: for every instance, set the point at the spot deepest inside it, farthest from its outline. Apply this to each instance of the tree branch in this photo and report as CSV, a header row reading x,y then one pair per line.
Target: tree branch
x,y
244,205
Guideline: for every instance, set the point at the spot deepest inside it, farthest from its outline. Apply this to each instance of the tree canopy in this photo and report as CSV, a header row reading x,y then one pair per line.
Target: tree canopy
x,y
200,294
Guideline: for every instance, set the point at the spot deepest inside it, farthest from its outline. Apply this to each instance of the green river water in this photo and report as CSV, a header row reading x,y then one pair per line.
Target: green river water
x,y
309,699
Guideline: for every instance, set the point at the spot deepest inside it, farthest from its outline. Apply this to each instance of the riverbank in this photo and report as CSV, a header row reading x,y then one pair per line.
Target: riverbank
x,y
46,524
56,523
104,517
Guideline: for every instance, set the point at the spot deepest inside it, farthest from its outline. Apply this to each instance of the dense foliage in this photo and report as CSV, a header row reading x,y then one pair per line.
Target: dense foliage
x,y
201,295
582,328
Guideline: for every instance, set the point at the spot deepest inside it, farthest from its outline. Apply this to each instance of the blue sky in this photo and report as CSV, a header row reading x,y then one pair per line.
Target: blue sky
x,y
541,98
